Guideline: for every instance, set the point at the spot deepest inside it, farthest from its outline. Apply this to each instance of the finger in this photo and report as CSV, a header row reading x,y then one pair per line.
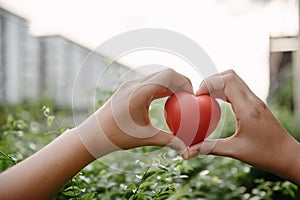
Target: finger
x,y
146,77
213,86
171,80
218,147
160,85
229,87
218,83
163,139
152,91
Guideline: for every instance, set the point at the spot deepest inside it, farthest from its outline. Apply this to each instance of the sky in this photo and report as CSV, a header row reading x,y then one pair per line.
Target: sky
x,y
235,34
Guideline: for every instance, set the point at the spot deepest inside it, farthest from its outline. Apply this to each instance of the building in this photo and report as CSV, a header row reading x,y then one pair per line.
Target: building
x,y
52,66
60,60
14,55
71,73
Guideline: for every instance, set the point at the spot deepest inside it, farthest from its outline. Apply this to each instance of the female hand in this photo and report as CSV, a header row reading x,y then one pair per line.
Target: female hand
x,y
123,121
259,139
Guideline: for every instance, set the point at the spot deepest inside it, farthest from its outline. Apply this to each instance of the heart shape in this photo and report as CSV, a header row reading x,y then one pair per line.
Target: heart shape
x,y
192,118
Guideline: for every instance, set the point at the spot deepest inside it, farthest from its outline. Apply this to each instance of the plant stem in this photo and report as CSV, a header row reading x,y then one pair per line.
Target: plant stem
x,y
141,182
9,157
57,125
74,190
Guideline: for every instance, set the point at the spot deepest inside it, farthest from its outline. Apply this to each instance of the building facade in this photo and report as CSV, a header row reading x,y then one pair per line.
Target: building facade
x,y
52,66
14,38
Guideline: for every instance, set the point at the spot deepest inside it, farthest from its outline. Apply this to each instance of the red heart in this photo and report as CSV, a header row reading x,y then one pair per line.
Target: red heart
x,y
192,118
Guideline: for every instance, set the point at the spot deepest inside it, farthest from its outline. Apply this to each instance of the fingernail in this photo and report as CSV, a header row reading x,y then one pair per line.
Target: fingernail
x,y
184,153
185,156
198,92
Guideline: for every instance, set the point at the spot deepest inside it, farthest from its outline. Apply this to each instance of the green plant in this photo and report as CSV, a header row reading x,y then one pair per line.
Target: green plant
x,y
141,173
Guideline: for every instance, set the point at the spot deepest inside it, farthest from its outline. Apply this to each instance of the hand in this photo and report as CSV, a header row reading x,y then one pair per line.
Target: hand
x,y
123,122
259,139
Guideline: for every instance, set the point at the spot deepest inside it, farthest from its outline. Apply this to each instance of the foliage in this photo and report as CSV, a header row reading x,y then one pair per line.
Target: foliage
x,y
284,96
141,173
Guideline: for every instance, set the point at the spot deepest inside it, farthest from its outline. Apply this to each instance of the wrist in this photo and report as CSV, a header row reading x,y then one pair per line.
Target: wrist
x,y
86,156
295,176
295,165
291,163
93,137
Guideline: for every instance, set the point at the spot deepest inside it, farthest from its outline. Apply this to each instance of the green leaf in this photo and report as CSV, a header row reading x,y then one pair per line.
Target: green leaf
x,y
10,119
50,120
20,124
148,174
89,196
69,193
162,196
163,168
72,188
145,184
46,111
131,187
8,157
145,160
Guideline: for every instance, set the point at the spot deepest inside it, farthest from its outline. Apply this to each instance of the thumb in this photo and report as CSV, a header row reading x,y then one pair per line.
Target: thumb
x,y
163,138
218,147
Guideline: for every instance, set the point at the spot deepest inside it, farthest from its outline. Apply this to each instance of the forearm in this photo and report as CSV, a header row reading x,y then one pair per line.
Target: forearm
x,y
291,167
41,175
295,176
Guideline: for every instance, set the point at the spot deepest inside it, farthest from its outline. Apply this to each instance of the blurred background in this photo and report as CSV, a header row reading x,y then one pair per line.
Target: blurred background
x,y
44,44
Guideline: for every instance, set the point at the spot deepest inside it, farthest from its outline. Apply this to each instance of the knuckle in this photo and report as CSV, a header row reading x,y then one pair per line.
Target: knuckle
x,y
215,83
257,111
229,80
169,71
261,104
230,77
230,71
206,83
254,112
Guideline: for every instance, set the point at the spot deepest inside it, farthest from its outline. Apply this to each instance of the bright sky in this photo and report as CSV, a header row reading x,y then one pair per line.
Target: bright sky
x,y
234,33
